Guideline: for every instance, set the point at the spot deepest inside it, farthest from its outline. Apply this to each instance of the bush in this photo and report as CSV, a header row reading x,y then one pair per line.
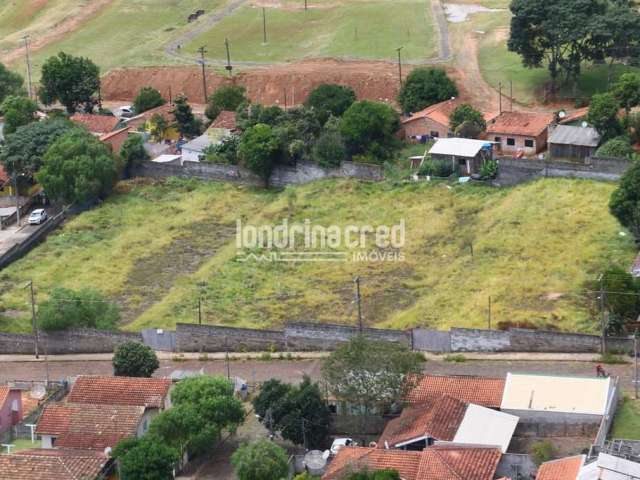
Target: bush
x,y
609,358
467,122
258,149
330,150
132,152
18,111
424,87
223,152
618,147
330,99
543,451
147,99
133,359
260,460
369,128
87,308
489,169
226,97
455,358
436,168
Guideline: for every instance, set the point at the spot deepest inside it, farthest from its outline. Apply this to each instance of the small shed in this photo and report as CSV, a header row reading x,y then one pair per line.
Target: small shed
x,y
466,155
567,141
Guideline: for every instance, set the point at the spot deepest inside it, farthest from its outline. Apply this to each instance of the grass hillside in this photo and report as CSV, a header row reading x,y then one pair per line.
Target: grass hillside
x,y
157,248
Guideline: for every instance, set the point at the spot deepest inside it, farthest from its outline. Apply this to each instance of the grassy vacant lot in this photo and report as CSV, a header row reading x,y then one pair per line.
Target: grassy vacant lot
x,y
362,29
627,421
157,248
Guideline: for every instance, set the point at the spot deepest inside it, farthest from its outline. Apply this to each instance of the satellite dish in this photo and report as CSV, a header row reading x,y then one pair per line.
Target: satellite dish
x,y
38,391
562,114
584,124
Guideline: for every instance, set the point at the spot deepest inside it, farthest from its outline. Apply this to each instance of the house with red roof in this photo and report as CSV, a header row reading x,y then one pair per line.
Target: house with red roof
x,y
10,407
96,124
441,462
58,464
484,391
520,133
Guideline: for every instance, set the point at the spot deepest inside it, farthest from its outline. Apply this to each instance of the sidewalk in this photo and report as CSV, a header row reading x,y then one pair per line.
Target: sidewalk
x,y
268,356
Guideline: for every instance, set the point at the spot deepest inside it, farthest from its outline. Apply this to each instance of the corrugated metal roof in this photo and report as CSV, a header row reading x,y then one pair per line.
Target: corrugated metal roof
x,y
569,135
483,426
555,394
460,147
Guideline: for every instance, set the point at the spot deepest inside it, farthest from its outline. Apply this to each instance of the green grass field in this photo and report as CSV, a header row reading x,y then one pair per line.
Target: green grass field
x,y
158,248
362,29
626,423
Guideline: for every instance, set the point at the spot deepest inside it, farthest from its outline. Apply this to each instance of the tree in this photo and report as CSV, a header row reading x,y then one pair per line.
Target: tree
x,y
329,150
77,168
145,459
369,128
86,308
177,427
70,80
330,99
272,393
424,87
371,373
134,359
248,115
558,34
224,152
467,122
603,115
213,399
624,203
157,127
226,97
10,83
133,153
186,122
23,150
258,149
147,98
260,460
622,297
627,91
18,111
618,147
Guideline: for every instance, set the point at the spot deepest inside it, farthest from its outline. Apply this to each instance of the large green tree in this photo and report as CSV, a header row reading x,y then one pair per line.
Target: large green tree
x,y
371,373
618,147
467,122
369,128
147,98
329,150
186,122
258,149
624,203
145,459
10,83
226,97
77,168
424,87
556,34
261,460
330,99
603,115
179,427
627,90
70,80
24,150
85,308
133,153
18,111
134,359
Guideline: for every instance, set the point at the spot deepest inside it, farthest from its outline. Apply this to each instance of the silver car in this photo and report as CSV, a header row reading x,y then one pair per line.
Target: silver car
x,y
38,216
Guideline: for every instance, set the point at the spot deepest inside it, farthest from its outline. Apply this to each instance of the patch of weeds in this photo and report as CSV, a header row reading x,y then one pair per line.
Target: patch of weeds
x,y
265,356
609,358
455,358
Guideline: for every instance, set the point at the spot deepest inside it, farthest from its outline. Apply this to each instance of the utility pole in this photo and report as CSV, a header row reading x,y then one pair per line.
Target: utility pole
x,y
603,321
202,51
399,65
489,313
511,95
264,25
358,302
500,97
34,325
226,46
26,51
15,192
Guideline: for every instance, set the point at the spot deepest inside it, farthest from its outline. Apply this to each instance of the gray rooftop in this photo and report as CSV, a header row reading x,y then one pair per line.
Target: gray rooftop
x,y
569,135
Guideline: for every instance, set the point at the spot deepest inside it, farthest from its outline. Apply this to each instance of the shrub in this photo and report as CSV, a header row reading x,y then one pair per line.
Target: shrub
x,y
543,451
331,99
147,99
489,169
369,128
424,87
133,359
455,358
609,358
436,168
618,147
260,460
329,150
87,308
226,97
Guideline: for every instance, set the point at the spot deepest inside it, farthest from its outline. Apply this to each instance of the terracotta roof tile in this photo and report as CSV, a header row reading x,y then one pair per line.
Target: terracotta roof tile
x,y
520,123
95,123
439,462
144,392
562,469
438,417
59,464
575,115
226,119
440,112
483,391
89,426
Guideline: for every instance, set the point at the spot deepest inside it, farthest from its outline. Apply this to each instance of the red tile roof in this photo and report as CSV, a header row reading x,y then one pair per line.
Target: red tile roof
x,y
226,119
100,124
439,462
59,464
520,123
4,176
89,426
144,392
438,417
483,391
440,112
562,469
4,393
575,115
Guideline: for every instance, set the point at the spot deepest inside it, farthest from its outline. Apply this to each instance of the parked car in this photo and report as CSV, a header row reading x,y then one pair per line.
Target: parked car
x,y
38,216
338,443
125,111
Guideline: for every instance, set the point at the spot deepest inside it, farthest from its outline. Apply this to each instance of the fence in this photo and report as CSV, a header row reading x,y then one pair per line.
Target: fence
x,y
607,419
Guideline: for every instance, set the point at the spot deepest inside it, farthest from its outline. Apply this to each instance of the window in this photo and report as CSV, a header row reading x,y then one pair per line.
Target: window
x,y
497,139
434,134
528,143
511,142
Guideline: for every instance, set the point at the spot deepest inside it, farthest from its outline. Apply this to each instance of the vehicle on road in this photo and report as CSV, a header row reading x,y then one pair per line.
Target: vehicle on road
x,y
38,216
338,443
125,111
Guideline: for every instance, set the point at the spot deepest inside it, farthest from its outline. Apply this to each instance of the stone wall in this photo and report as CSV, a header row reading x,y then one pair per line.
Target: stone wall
x,y
73,341
545,341
325,336
209,338
475,340
426,340
303,172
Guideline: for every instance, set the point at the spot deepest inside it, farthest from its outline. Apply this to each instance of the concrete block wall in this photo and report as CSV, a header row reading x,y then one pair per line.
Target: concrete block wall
x,y
73,341
426,340
324,336
522,340
476,340
209,338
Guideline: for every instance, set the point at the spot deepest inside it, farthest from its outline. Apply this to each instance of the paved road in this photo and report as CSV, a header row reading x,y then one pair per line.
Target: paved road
x,y
13,234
